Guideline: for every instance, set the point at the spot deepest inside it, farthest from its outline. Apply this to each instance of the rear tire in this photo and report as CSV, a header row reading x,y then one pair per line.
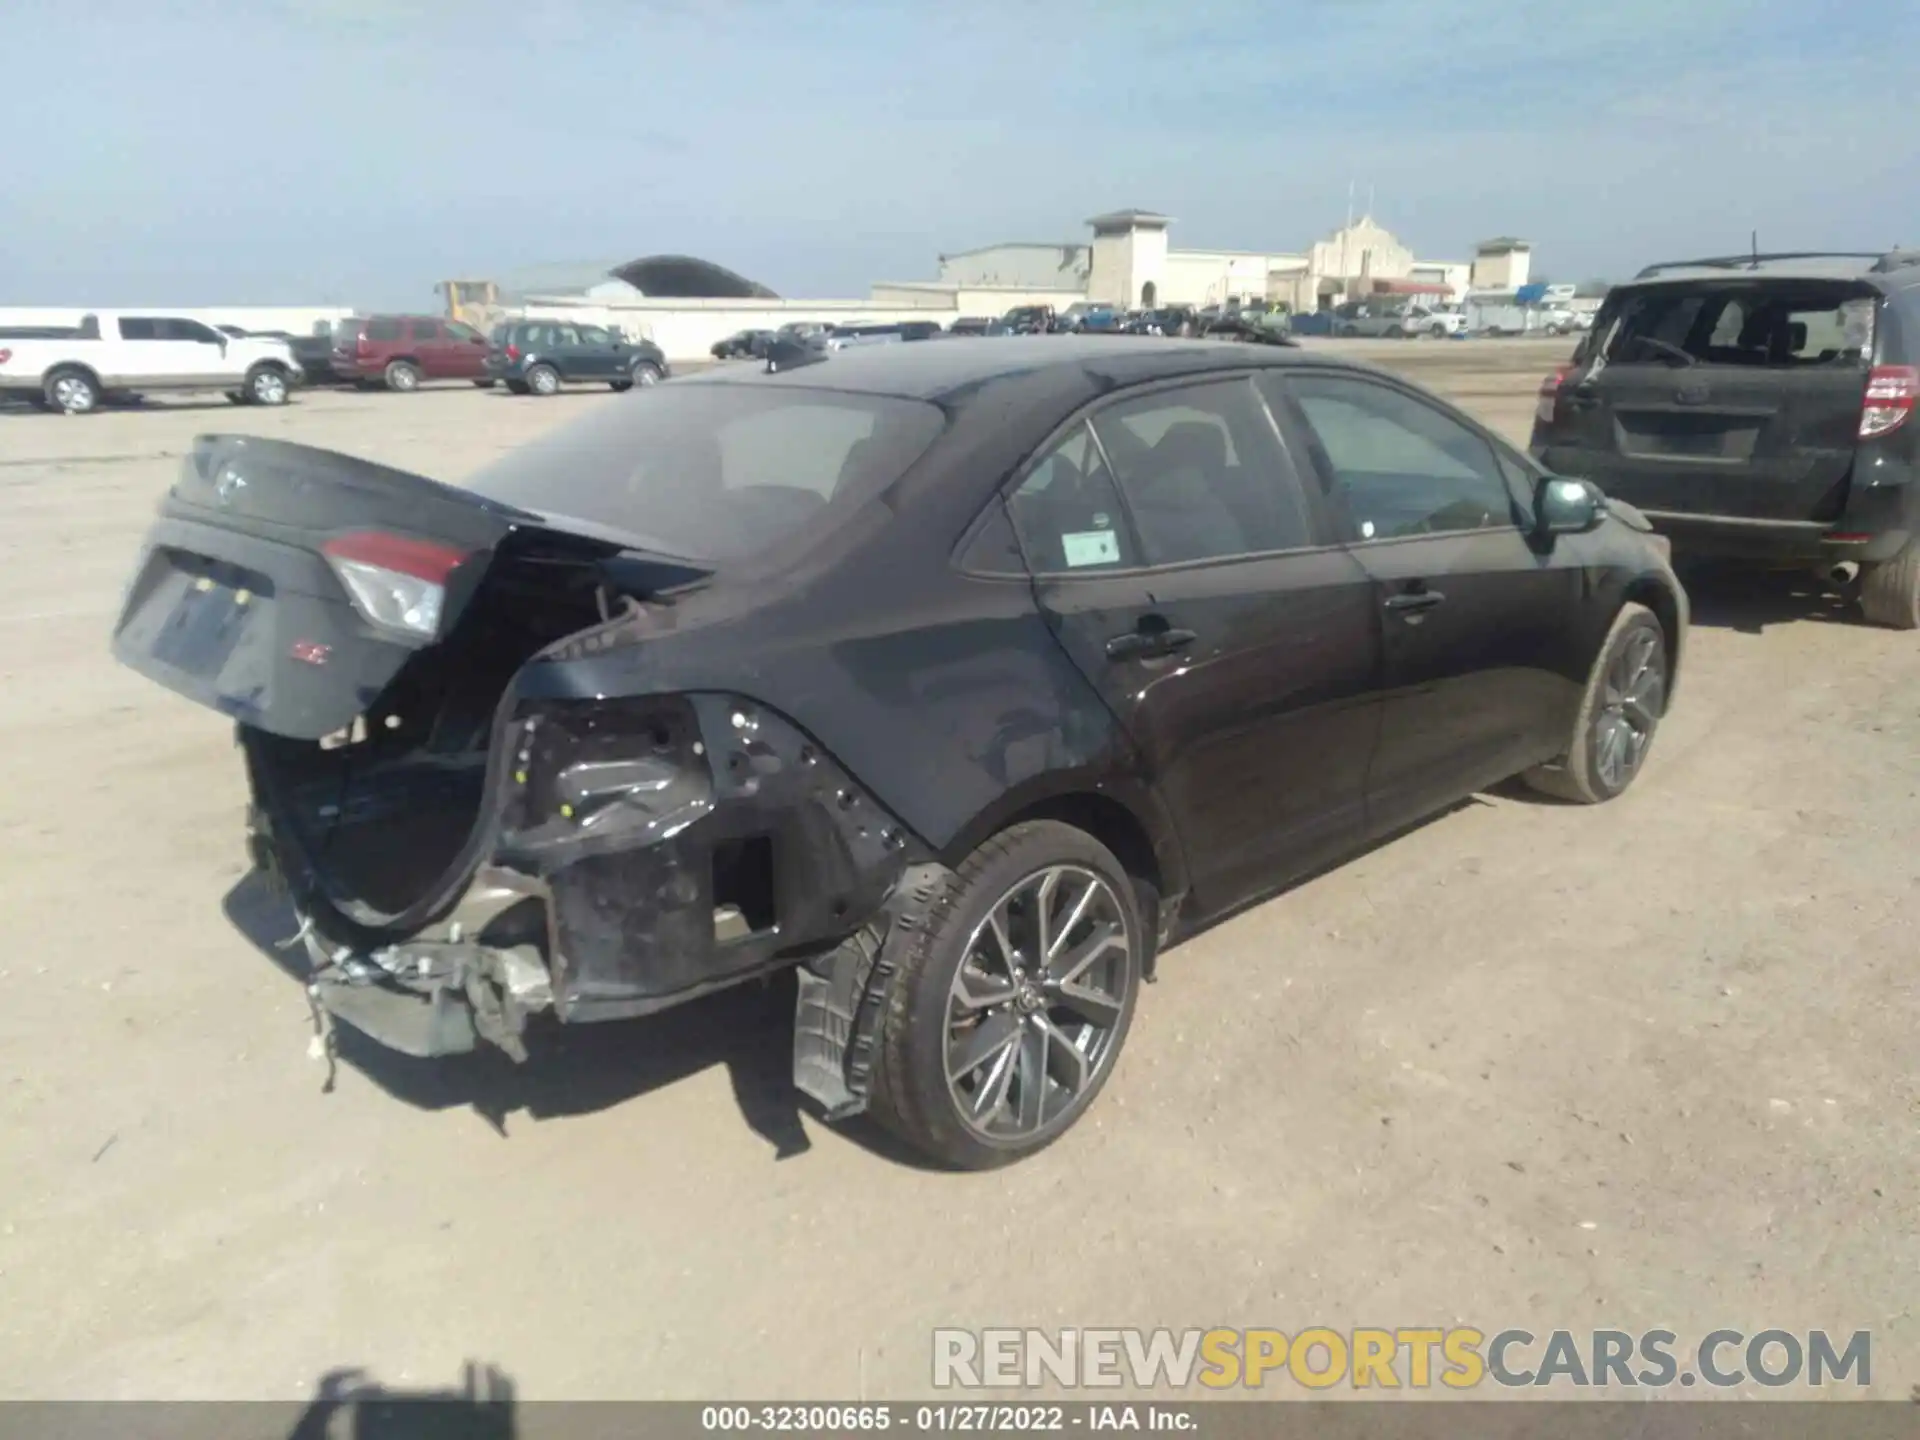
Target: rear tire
x,y
988,1053
1625,699
543,380
73,391
402,375
1890,590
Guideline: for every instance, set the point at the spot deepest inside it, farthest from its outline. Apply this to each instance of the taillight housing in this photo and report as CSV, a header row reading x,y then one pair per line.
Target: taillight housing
x,y
1891,392
513,352
397,583
5,355
1547,408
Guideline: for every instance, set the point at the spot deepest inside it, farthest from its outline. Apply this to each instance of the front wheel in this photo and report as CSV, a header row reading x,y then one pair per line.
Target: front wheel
x,y
646,373
1625,699
1890,590
266,385
1013,998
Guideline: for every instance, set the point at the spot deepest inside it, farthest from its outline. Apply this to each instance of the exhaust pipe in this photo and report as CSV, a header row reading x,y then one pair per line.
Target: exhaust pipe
x,y
1844,574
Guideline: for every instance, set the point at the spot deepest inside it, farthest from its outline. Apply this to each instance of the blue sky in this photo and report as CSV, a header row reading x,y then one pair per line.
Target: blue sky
x,y
356,151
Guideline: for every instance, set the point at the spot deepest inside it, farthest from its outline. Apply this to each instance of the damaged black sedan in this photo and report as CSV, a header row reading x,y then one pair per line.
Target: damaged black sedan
x,y
961,678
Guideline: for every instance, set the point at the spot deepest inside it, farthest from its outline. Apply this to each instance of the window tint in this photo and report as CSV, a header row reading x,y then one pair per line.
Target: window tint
x,y
138,328
1203,473
594,335
718,472
462,332
383,330
562,335
426,329
1068,511
1777,326
178,329
1398,465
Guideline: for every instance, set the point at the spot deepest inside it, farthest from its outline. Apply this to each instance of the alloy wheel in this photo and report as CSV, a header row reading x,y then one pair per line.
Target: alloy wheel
x,y
73,394
269,388
1037,1004
1631,702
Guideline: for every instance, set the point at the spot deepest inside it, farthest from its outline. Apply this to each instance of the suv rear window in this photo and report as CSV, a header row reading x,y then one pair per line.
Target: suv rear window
x,y
718,472
1780,325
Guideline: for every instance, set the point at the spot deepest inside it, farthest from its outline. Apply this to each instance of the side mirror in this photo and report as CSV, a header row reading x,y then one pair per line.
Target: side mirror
x,y
1567,507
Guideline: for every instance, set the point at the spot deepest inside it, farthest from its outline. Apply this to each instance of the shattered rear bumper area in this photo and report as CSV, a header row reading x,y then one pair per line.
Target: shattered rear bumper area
x,y
644,853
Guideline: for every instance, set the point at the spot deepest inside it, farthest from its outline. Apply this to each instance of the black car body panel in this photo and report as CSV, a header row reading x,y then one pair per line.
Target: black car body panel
x,y
620,776
1724,398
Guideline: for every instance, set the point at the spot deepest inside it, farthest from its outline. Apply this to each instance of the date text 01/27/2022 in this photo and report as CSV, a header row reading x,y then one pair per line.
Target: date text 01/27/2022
x,y
942,1418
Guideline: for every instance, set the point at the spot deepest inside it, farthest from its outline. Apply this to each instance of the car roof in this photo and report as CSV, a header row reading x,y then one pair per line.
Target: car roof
x,y
936,369
1894,269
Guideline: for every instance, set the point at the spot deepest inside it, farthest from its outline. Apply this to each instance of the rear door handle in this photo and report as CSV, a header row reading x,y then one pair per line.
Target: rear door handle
x,y
1144,644
1414,601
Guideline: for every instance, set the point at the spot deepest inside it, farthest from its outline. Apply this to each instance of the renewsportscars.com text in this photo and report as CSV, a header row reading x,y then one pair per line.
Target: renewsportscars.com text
x,y
1415,1357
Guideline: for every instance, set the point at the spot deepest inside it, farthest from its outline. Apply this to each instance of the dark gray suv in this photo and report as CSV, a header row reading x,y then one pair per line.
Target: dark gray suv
x,y
1759,407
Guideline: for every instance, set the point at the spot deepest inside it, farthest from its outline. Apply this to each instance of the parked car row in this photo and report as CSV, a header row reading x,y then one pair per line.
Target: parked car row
x,y
114,356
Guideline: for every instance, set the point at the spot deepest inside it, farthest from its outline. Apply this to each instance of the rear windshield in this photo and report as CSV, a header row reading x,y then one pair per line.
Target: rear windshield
x,y
1779,325
717,472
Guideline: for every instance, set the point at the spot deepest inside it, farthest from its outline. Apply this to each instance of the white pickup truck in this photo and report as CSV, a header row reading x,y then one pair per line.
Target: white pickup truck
x,y
117,353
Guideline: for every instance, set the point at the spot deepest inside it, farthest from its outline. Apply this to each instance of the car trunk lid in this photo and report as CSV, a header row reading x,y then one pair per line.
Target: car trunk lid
x,y
286,586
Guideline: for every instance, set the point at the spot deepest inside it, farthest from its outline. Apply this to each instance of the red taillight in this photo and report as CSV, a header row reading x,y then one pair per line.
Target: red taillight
x,y
396,582
1546,408
1891,392
5,355
513,352
361,345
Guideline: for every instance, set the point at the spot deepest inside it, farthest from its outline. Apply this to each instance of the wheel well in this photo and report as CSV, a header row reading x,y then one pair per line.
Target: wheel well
x,y
1657,598
1109,822
269,363
71,367
401,360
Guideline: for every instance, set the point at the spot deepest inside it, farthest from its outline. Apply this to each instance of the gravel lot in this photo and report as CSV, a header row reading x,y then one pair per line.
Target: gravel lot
x,y
1650,1064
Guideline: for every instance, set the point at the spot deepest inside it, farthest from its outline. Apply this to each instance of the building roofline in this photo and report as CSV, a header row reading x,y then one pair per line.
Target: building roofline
x,y
1015,245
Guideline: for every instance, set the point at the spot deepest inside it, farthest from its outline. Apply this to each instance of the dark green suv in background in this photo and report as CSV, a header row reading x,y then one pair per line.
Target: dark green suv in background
x,y
537,357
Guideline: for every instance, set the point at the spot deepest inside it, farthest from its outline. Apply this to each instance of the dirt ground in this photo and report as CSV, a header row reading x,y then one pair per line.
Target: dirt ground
x,y
1648,1064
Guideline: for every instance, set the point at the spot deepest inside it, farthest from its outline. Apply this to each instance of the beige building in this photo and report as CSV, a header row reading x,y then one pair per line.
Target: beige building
x,y
1132,265
1502,264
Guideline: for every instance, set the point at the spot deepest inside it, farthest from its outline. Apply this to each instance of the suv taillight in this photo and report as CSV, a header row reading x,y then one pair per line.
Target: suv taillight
x,y
513,352
361,345
1891,392
1547,408
5,355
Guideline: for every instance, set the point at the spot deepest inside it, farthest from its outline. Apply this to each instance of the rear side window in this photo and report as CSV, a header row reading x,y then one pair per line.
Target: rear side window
x,y
1068,511
383,330
133,327
1203,473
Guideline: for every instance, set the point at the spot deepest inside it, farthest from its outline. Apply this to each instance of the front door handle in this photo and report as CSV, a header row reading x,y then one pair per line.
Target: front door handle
x,y
1414,601
1148,643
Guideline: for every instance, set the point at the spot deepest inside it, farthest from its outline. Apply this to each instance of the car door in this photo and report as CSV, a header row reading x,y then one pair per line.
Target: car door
x,y
203,351
466,350
1482,627
1190,578
148,354
603,355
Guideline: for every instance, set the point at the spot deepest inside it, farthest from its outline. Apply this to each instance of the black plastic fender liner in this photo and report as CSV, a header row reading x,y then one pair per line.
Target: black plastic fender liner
x,y
843,995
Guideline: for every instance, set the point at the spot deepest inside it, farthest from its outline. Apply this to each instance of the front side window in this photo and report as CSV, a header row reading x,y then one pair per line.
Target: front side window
x,y
1399,466
1204,473
426,330
462,332
594,335
718,473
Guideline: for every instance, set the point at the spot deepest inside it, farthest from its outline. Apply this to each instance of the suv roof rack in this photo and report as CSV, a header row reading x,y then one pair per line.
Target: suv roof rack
x,y
1754,262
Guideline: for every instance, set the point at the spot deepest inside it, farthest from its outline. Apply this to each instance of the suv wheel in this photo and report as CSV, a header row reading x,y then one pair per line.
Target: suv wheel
x,y
1014,997
1890,590
543,380
646,373
402,375
1625,699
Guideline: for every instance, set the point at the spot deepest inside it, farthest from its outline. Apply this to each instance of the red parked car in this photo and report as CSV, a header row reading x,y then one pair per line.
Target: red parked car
x,y
399,351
